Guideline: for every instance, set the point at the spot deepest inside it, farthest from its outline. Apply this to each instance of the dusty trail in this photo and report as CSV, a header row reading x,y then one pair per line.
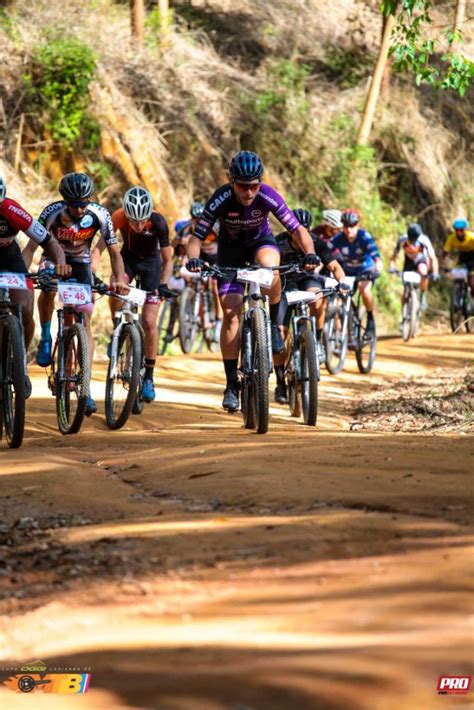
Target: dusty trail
x,y
194,565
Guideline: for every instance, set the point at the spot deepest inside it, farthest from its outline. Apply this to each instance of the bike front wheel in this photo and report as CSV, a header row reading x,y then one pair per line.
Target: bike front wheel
x,y
13,382
309,377
260,373
72,389
407,317
365,346
294,400
456,315
335,340
123,377
188,324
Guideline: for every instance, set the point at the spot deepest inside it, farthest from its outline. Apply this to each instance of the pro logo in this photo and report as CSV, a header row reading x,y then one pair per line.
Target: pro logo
x,y
453,684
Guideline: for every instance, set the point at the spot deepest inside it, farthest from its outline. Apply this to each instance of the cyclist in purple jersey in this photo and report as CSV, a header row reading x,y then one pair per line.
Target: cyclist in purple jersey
x,y
360,256
242,207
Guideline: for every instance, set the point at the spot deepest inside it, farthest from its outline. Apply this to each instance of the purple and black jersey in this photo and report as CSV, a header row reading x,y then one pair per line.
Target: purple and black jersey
x,y
240,225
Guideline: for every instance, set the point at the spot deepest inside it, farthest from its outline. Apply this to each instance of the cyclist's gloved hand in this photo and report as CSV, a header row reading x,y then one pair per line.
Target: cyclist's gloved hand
x,y
435,277
343,288
311,261
194,265
165,292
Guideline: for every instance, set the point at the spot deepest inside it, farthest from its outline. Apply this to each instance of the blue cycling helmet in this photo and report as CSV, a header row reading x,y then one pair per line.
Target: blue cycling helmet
x,y
304,217
246,165
460,224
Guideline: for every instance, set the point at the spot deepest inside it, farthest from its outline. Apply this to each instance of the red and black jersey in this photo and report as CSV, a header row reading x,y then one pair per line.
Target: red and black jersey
x,y
143,244
14,219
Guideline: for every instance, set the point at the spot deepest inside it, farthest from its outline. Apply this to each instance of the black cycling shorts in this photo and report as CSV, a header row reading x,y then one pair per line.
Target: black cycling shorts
x,y
410,265
148,270
237,256
12,260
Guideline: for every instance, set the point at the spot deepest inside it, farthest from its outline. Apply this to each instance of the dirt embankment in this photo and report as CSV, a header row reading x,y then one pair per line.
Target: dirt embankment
x,y
193,565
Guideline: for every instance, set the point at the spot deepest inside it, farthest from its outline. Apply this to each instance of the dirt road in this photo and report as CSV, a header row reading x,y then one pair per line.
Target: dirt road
x,y
194,565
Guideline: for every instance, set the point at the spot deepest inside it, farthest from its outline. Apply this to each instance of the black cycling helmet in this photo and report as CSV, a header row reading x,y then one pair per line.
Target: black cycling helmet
x,y
76,186
197,208
246,165
414,231
350,218
304,217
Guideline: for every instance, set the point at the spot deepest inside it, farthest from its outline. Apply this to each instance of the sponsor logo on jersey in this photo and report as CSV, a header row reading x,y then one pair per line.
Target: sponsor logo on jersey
x,y
19,211
69,234
39,230
219,200
269,199
234,214
53,207
256,213
86,221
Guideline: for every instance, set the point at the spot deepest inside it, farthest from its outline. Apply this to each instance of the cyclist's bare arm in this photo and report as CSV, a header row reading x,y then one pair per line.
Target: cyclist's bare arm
x,y
167,264
336,270
96,253
194,248
118,269
303,238
28,252
52,250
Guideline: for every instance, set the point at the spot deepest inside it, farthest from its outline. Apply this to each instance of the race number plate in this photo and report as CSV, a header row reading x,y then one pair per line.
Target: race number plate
x,y
264,277
299,297
349,280
411,277
458,273
75,294
136,296
18,281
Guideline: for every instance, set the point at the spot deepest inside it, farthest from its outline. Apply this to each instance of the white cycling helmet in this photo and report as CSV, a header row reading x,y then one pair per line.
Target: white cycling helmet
x,y
332,218
3,188
137,204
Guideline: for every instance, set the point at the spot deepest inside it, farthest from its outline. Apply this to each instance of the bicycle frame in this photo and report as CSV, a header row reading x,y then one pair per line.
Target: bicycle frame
x,y
254,299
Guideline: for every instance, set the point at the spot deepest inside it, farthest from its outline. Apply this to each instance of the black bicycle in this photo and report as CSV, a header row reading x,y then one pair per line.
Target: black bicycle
x,y
70,373
12,362
256,359
346,329
461,307
197,316
302,367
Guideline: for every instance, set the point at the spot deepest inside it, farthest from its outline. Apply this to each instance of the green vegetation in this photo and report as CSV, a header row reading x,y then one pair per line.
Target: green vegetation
x,y
58,84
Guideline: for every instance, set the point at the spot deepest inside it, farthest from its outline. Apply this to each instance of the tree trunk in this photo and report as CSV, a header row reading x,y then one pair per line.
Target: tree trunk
x,y
137,10
163,6
460,15
374,89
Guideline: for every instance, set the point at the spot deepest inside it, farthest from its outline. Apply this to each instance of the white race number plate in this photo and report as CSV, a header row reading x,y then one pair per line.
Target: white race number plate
x,y
8,280
75,294
264,277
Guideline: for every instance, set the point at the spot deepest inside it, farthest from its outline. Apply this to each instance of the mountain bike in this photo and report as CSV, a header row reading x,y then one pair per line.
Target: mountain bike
x,y
302,366
256,358
461,307
346,329
168,321
411,303
70,373
197,315
126,360
12,362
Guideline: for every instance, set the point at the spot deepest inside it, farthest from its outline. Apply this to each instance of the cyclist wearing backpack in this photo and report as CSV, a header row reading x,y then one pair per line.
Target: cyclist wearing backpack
x,y
242,207
360,256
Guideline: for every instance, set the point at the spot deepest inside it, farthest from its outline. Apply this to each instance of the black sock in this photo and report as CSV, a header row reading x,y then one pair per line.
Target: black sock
x,y
274,308
280,373
370,315
149,367
319,332
230,367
